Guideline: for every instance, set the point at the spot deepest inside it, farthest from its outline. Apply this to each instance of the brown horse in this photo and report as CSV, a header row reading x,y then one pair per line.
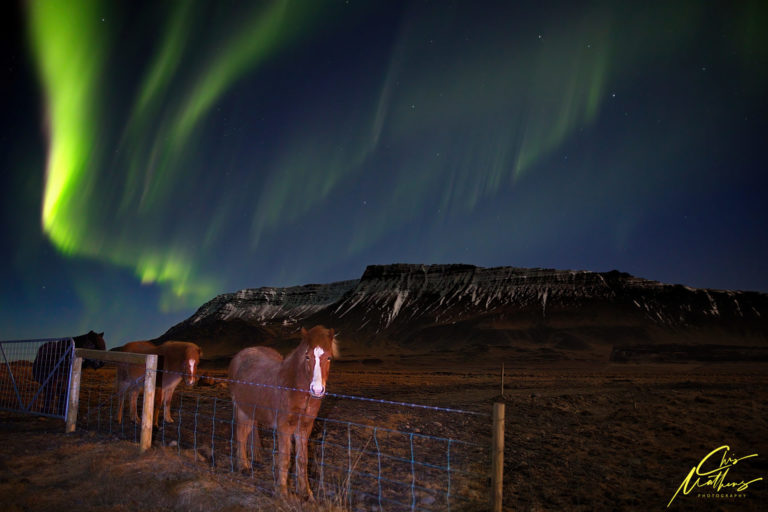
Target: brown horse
x,y
282,393
179,359
51,368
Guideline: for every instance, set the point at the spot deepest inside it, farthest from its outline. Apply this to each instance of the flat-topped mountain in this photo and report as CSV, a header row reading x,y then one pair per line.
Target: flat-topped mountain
x,y
539,313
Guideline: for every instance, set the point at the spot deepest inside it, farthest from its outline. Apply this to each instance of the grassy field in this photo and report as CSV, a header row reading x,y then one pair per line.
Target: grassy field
x,y
579,436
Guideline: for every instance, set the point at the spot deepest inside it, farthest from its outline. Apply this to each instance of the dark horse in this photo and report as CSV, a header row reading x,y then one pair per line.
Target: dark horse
x,y
51,368
283,394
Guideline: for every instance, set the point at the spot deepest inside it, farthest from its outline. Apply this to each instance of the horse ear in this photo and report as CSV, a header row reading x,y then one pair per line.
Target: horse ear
x,y
331,332
101,333
303,332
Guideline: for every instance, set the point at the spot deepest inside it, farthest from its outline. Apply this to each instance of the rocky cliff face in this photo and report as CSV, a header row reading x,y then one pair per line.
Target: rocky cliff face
x,y
456,307
262,305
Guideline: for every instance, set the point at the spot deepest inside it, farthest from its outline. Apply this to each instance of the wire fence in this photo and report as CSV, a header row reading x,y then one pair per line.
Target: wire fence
x,y
364,453
34,375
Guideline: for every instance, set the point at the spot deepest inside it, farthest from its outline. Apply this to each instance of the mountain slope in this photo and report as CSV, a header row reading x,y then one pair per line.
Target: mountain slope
x,y
405,308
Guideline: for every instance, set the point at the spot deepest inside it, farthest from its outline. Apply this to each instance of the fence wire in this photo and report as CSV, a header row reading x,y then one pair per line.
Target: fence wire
x,y
364,453
34,376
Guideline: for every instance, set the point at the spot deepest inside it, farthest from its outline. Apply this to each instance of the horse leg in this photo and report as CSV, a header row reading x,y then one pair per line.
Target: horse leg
x,y
256,442
158,406
284,434
167,407
255,438
244,426
301,438
159,393
122,406
121,388
134,398
120,410
167,396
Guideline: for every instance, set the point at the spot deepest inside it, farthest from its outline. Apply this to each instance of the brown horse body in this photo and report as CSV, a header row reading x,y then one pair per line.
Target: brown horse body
x,y
180,359
282,393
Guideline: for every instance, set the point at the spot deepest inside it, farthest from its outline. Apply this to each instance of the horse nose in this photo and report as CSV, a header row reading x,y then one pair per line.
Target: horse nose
x,y
317,391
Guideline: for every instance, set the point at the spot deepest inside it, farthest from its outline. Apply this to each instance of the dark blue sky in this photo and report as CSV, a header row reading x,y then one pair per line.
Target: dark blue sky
x,y
157,154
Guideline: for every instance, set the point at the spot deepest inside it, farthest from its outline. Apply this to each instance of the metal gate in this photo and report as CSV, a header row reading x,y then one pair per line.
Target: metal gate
x,y
35,376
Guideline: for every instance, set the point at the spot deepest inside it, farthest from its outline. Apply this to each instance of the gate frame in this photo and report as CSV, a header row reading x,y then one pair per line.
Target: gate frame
x,y
150,364
40,393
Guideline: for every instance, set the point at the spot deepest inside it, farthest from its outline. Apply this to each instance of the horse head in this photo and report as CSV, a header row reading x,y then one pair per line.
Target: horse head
x,y
94,341
191,363
320,348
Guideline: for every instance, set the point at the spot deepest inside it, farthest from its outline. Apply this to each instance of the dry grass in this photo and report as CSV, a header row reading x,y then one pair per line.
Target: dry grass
x,y
43,469
579,437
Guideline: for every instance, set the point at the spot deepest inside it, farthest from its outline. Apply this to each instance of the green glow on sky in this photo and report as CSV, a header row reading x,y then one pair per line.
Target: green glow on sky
x,y
331,151
69,49
247,48
267,29
166,62
69,46
565,93
450,111
473,122
175,272
536,93
195,147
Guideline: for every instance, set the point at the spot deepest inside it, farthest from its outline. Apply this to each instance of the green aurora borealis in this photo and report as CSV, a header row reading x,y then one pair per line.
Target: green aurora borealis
x,y
204,147
69,46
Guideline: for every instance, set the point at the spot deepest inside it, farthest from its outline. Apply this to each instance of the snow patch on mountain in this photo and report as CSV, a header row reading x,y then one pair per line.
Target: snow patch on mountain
x,y
404,296
268,303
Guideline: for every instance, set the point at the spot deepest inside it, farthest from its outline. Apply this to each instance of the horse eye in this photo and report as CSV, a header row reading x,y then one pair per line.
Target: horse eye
x,y
306,357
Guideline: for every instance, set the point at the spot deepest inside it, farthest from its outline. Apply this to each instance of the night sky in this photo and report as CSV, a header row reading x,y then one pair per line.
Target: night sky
x,y
156,154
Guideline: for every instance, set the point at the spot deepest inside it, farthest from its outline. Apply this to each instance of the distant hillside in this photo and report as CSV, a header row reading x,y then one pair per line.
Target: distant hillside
x,y
540,313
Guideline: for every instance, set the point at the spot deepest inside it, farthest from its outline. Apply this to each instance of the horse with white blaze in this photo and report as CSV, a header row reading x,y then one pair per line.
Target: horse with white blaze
x,y
282,393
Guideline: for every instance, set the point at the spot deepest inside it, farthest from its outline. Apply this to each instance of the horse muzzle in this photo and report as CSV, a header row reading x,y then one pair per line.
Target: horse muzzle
x,y
316,393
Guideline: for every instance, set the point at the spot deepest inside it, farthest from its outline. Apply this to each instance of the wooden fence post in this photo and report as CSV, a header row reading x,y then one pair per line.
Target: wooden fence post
x,y
150,372
74,394
497,465
149,403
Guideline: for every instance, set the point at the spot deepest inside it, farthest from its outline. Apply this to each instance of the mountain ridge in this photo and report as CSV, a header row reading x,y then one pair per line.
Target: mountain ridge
x,y
454,307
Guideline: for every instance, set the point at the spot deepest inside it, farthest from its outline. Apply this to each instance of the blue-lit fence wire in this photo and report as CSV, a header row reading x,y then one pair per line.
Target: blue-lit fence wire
x,y
20,390
364,453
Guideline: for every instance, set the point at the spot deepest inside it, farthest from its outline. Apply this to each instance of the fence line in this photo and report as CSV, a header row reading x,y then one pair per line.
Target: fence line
x,y
124,358
363,452
351,397
359,463
35,376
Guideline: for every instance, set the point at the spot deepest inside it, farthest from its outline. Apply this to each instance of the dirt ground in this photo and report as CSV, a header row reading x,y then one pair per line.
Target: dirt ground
x,y
578,436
